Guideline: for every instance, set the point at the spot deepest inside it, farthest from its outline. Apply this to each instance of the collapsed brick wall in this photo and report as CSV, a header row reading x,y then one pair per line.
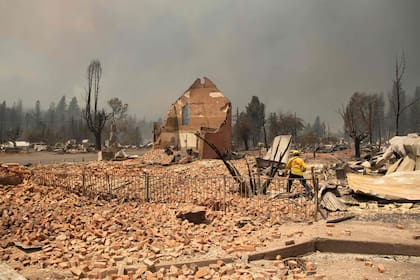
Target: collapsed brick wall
x,y
221,138
204,109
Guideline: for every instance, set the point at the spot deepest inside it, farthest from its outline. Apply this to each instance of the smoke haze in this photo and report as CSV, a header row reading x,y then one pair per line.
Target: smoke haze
x,y
306,57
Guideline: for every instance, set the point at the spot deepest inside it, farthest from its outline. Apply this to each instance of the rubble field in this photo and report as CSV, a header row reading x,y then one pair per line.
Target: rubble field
x,y
48,232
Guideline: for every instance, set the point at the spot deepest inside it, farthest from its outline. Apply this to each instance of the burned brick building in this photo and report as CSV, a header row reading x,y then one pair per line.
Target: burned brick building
x,y
203,109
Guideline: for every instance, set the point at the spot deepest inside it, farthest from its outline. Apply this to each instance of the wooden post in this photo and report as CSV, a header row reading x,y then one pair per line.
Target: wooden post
x,y
146,188
315,184
109,184
84,180
316,199
224,193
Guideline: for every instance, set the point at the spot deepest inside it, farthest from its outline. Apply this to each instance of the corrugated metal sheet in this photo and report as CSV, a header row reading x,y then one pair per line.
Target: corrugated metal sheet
x,y
403,185
331,202
279,147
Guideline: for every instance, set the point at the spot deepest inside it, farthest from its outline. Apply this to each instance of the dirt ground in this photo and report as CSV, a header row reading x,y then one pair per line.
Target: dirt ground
x,y
350,266
44,157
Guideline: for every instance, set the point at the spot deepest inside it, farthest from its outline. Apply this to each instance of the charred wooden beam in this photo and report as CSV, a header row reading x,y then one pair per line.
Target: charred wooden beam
x,y
274,169
243,188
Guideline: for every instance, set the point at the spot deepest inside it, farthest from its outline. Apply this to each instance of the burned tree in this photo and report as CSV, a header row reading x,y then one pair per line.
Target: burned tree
x,y
243,129
397,92
355,120
95,118
118,117
368,113
255,111
397,96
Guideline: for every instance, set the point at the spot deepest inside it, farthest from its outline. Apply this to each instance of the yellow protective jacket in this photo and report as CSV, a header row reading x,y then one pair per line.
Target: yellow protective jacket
x,y
296,165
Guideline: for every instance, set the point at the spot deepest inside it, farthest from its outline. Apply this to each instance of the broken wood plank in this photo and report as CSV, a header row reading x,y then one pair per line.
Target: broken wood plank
x,y
341,219
195,215
28,248
11,180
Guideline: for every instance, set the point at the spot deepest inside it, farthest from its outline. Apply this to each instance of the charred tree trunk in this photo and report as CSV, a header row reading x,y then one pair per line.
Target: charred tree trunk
x,y
265,137
98,140
254,187
95,118
246,144
356,141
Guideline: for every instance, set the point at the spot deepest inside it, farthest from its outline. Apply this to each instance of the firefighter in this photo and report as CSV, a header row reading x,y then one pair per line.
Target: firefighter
x,y
295,167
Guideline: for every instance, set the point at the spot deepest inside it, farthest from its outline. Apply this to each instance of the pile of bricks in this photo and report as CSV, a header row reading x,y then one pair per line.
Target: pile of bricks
x,y
13,174
157,156
92,238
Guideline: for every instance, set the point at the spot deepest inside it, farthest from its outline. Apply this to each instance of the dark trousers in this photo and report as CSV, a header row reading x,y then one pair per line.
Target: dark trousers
x,y
292,177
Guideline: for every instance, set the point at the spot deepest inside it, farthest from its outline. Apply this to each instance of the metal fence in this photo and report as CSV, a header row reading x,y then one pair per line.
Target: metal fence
x,y
219,193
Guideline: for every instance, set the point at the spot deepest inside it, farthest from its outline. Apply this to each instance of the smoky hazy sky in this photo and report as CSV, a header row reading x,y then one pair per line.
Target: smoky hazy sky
x,y
306,57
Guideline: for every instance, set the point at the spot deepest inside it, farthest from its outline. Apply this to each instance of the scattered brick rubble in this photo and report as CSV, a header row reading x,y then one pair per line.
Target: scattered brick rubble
x,y
94,238
50,229
157,156
12,174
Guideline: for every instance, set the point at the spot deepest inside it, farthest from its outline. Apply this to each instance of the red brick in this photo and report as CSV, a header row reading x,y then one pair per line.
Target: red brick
x,y
76,271
85,267
64,265
292,263
99,264
201,272
289,242
310,266
368,263
381,268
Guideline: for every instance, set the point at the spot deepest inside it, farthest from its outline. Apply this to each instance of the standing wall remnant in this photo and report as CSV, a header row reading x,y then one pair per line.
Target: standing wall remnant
x,y
203,109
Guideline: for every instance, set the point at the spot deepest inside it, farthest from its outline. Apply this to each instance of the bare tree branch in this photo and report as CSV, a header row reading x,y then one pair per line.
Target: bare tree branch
x,y
95,119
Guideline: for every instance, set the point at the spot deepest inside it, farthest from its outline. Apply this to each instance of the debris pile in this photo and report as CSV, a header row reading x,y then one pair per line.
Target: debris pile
x,y
93,238
12,174
158,157
404,151
52,229
402,179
